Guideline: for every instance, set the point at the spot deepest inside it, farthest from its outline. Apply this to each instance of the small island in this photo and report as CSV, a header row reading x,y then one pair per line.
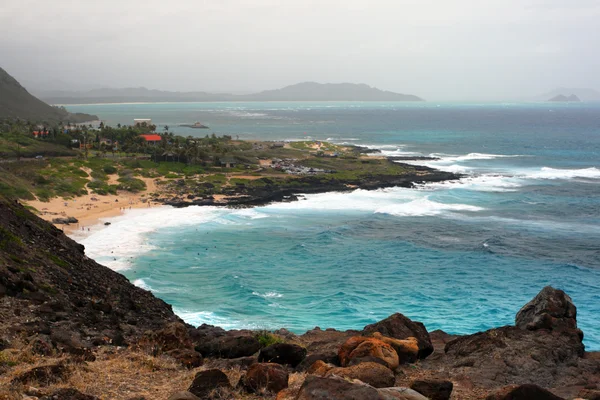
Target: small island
x,y
563,98
195,125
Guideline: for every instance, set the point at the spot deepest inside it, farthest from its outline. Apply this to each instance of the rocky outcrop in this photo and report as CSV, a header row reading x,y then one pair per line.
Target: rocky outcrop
x,y
266,376
359,349
283,353
398,326
407,349
54,286
229,346
550,309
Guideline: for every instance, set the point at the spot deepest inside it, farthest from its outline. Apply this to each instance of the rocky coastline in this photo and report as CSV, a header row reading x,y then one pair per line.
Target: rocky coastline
x,y
65,320
243,196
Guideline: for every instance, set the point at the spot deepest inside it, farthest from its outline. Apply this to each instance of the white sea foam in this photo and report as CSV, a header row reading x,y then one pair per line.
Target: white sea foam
x,y
555,173
268,295
198,318
118,244
142,284
424,207
480,183
471,156
250,213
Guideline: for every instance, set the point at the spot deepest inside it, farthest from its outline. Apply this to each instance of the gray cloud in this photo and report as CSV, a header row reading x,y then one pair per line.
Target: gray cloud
x,y
461,49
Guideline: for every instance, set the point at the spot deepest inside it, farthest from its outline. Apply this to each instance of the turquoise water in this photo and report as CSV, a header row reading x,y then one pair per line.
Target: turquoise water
x,y
459,256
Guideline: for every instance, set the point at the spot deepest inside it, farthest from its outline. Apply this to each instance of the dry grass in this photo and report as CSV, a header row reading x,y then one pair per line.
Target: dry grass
x,y
121,374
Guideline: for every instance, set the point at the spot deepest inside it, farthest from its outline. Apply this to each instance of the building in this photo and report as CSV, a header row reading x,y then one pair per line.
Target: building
x,y
227,162
151,138
40,134
142,121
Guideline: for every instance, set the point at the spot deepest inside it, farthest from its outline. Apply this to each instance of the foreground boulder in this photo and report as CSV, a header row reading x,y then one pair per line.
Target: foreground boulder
x,y
433,389
523,392
173,336
370,373
208,381
283,353
550,309
359,349
263,377
316,388
338,388
398,326
187,357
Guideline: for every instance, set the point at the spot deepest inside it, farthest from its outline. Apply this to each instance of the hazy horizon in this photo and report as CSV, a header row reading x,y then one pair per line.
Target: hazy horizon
x,y
458,50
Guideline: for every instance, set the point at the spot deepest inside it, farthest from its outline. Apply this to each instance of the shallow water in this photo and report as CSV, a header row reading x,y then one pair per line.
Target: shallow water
x,y
460,256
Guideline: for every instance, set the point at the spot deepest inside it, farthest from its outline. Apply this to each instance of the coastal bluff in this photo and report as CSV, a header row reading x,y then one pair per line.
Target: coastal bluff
x,y
73,329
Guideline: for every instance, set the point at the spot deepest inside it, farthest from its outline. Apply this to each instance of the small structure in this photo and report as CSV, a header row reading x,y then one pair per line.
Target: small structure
x,y
40,134
142,122
227,162
106,141
278,145
151,138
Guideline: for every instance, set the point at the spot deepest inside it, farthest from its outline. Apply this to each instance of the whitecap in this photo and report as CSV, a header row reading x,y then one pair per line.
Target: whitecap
x,y
424,207
268,295
556,173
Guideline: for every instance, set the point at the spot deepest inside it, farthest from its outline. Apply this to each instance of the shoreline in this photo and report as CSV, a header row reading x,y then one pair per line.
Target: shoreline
x,y
90,209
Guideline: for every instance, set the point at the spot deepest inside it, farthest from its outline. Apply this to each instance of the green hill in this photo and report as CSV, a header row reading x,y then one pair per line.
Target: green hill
x,y
17,103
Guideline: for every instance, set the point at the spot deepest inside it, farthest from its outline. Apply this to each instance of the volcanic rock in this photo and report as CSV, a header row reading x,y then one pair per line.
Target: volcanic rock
x,y
265,376
359,348
370,373
207,381
316,388
433,389
229,346
400,327
550,309
283,353
523,392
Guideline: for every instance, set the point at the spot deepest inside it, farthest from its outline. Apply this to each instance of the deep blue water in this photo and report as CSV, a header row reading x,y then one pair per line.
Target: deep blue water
x,y
461,256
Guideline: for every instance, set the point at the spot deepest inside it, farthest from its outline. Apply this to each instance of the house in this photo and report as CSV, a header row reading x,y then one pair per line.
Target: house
x,y
40,134
227,162
151,138
105,141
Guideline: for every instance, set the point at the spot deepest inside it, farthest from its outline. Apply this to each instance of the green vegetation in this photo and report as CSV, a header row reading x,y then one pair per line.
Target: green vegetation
x,y
266,338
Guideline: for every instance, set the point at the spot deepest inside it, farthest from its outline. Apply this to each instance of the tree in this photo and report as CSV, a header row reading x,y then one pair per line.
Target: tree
x,y
166,128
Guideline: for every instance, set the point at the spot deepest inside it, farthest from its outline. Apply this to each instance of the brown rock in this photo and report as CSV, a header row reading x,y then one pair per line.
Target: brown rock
x,y
283,353
173,336
398,326
399,393
370,373
328,358
207,381
433,389
407,349
229,346
550,309
319,368
265,376
360,348
316,388
187,357
523,392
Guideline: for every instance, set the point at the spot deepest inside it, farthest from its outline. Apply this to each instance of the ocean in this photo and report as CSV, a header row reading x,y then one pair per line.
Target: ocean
x,y
461,256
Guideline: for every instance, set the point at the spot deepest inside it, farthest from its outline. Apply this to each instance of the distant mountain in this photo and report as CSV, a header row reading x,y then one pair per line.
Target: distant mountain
x,y
17,103
308,91
583,94
562,97
313,91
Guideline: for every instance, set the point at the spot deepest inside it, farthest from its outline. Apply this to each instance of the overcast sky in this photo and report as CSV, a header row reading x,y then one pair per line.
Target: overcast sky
x,y
437,49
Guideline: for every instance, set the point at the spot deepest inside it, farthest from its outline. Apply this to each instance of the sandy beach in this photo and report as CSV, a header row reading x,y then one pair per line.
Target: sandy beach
x,y
91,208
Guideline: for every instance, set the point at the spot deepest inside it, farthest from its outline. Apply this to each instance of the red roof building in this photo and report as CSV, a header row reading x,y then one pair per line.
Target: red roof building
x,y
40,133
152,138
